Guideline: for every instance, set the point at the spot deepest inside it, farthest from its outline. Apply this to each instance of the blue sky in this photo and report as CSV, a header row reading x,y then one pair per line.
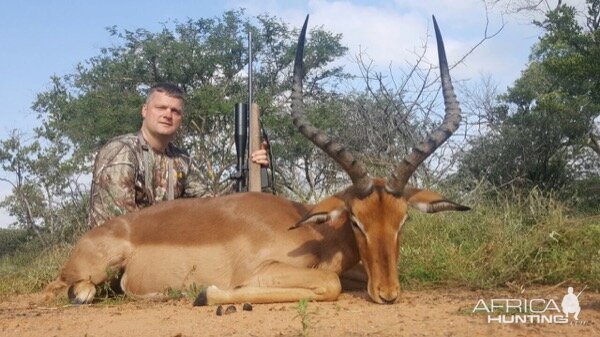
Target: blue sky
x,y
39,39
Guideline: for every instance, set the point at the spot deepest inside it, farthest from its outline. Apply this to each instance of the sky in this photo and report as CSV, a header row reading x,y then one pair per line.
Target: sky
x,y
42,38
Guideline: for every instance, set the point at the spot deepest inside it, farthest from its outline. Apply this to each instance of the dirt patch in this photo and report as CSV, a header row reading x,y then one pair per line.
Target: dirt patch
x,y
440,312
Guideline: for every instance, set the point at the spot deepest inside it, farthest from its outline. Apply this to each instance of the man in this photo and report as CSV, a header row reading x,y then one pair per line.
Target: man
x,y
134,171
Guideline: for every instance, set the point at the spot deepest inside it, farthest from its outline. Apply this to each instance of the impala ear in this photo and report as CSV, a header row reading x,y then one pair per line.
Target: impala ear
x,y
331,210
430,202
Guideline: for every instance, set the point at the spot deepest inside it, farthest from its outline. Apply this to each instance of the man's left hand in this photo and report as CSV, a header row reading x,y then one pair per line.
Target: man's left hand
x,y
261,156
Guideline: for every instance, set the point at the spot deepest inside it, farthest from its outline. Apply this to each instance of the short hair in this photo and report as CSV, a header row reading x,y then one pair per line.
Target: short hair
x,y
165,87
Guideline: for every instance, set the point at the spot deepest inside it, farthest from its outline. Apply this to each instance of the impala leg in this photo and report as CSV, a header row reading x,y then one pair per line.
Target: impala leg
x,y
278,282
81,272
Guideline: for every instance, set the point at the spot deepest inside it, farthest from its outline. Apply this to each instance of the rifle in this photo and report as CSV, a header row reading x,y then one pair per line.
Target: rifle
x,y
249,176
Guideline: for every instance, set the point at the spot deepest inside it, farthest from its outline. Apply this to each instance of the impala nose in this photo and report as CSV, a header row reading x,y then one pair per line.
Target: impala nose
x,y
389,300
389,296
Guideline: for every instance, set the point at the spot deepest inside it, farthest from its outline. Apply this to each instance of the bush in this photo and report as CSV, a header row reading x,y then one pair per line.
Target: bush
x,y
11,240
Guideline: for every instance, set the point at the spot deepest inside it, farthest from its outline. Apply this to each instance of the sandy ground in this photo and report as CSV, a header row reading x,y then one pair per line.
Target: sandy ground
x,y
439,312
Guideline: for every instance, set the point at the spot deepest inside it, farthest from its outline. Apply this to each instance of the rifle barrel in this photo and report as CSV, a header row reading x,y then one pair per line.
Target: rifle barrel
x,y
250,97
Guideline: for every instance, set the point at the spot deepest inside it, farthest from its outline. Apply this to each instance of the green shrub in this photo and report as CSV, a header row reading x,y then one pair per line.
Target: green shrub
x,y
11,240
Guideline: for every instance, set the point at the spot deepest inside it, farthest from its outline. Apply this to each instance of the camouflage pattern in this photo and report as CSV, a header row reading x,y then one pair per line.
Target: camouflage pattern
x,y
129,175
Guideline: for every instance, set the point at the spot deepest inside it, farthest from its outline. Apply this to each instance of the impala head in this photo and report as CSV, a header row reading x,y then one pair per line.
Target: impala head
x,y
377,208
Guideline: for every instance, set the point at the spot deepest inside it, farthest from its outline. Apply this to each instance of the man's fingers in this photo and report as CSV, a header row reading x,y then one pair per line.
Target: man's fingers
x,y
260,157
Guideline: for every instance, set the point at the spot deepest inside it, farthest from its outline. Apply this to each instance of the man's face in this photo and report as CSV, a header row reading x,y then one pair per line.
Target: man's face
x,y
162,115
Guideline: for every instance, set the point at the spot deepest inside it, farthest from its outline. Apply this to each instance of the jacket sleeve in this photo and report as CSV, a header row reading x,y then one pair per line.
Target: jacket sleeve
x,y
113,183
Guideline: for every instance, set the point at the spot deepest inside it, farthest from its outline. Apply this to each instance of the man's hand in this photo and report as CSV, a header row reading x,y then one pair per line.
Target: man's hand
x,y
261,156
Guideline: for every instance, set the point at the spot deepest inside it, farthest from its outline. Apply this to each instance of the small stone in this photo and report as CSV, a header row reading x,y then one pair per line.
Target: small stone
x,y
247,307
230,309
220,310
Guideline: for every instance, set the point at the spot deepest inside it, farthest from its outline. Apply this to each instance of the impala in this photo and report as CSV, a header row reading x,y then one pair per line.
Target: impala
x,y
261,248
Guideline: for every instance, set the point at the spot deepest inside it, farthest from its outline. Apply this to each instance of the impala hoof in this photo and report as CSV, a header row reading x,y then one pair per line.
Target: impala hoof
x,y
82,293
202,299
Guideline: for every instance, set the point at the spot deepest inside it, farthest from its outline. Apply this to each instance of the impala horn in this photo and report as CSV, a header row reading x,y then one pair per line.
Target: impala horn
x,y
399,177
355,169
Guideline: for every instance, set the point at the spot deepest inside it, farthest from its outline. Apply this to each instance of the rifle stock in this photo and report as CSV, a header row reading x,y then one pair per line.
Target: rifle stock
x,y
254,175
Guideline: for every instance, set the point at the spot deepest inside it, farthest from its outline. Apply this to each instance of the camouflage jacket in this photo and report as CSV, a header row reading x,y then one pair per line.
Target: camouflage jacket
x,y
129,175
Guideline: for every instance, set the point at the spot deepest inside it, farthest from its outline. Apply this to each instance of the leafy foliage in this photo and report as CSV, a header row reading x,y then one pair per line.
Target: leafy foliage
x,y
545,131
47,198
206,57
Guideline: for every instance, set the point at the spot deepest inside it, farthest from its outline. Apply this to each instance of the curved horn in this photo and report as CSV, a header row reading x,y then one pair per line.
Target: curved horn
x,y
355,169
419,153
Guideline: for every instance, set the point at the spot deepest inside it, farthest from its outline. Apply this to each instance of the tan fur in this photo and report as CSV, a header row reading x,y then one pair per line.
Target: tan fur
x,y
243,247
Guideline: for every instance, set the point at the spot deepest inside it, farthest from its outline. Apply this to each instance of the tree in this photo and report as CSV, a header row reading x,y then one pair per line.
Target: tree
x,y
545,124
207,58
47,198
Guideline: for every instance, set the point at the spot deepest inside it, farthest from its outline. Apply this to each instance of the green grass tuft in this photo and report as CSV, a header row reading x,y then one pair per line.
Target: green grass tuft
x,y
523,241
305,317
